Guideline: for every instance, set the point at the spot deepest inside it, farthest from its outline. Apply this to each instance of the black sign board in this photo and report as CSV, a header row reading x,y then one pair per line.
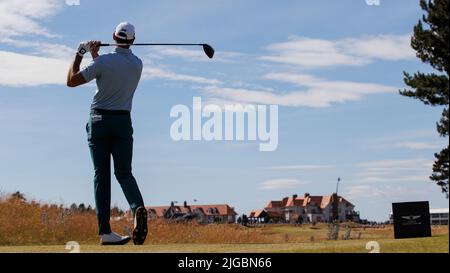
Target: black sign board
x,y
411,219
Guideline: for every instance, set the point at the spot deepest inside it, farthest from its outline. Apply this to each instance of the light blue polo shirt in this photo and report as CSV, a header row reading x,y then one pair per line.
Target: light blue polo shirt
x,y
117,75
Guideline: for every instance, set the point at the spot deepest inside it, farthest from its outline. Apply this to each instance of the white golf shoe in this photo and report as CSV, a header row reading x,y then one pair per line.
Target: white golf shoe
x,y
114,239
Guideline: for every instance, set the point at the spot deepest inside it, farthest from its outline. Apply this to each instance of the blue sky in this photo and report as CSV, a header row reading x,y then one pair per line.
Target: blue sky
x,y
333,67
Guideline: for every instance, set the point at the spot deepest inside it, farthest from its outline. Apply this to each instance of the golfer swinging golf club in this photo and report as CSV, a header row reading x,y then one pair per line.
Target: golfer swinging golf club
x,y
109,130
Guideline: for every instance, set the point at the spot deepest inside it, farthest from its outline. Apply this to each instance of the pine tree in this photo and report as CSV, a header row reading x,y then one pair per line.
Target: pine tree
x,y
431,42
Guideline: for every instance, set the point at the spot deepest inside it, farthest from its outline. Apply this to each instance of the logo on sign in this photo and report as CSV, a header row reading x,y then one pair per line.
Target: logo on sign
x,y
411,220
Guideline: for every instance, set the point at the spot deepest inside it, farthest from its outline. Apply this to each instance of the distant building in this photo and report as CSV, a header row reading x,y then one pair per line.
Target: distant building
x,y
309,208
257,216
220,213
439,216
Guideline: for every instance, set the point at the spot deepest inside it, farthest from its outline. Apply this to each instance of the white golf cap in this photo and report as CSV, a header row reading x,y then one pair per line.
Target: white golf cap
x,y
125,31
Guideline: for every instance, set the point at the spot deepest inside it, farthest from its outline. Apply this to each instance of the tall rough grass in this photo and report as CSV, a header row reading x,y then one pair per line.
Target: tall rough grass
x,y
33,223
24,223
162,231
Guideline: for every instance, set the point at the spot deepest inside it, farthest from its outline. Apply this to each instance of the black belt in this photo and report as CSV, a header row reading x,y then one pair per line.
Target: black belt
x,y
109,112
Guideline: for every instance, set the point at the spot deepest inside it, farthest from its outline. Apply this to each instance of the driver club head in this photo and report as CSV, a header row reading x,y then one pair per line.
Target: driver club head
x,y
209,51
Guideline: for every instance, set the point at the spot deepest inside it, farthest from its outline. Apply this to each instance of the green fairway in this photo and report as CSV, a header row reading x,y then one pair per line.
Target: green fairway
x,y
428,245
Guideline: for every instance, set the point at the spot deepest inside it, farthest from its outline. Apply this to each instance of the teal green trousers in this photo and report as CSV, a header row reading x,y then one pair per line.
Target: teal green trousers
x,y
110,133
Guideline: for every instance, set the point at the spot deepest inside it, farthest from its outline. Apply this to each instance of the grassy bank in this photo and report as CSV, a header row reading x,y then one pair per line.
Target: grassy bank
x,y
437,244
36,227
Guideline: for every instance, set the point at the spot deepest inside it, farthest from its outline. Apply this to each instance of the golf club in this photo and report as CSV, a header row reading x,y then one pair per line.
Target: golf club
x,y
209,51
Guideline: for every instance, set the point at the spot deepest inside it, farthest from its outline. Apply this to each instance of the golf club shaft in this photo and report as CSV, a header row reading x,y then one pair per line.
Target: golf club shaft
x,y
152,44
209,51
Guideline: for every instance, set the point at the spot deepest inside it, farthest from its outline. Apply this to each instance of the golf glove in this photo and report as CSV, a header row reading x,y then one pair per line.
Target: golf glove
x,y
83,48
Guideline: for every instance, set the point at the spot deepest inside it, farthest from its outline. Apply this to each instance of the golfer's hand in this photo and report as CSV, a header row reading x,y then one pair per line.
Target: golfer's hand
x,y
83,48
95,47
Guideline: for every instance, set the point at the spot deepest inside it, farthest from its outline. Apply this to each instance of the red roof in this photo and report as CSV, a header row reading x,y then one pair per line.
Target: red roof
x,y
274,204
159,211
294,202
315,200
255,213
321,201
221,209
278,204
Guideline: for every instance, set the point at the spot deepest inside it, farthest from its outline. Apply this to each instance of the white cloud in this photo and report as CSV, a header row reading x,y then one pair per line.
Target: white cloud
x,y
310,53
376,193
152,72
372,192
23,18
246,85
56,51
193,54
51,68
275,184
302,167
396,164
394,170
391,178
362,191
316,53
417,145
339,87
26,70
412,140
42,48
393,163
385,47
20,17
318,93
